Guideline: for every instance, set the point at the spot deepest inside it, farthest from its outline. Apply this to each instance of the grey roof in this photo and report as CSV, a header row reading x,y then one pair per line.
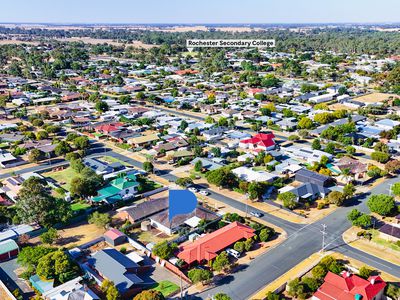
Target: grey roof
x,y
354,118
304,175
114,266
390,230
309,188
96,165
207,163
147,209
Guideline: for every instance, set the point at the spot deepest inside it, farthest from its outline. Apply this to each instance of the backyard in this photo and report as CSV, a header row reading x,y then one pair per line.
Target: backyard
x,y
63,177
166,287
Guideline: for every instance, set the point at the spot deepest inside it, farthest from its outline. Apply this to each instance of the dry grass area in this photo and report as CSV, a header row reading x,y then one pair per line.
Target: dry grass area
x,y
375,98
339,106
76,234
370,247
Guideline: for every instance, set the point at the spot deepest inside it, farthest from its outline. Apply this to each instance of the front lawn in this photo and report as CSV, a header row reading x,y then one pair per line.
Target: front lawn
x,y
63,177
166,287
147,185
79,206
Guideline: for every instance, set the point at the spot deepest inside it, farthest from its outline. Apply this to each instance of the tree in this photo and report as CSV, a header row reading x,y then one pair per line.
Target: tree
x,y
272,296
148,167
110,290
99,219
363,221
221,262
393,166
248,244
353,215
383,205
184,181
87,183
296,289
149,295
381,157
209,120
57,265
198,166
101,106
255,190
348,191
316,144
42,135
164,249
305,123
50,236
82,142
330,148
350,150
288,199
35,155
311,284
265,234
183,125
396,189
223,122
221,296
77,165
198,275
239,246
365,272
62,148
36,205
29,256
319,272
336,198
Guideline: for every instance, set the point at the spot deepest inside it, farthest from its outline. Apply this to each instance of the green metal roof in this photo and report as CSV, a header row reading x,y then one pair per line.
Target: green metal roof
x,y
7,246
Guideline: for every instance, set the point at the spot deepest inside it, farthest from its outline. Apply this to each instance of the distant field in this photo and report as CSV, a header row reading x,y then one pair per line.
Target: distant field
x,y
93,41
375,97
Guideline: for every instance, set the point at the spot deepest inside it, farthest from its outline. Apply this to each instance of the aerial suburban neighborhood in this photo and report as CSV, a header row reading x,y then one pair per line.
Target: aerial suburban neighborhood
x,y
292,153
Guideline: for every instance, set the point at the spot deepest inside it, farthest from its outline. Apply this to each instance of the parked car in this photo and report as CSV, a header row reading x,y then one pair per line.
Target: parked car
x,y
193,189
233,252
256,214
204,193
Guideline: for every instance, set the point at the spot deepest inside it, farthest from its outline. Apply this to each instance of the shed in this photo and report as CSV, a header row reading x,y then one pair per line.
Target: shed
x,y
115,237
8,249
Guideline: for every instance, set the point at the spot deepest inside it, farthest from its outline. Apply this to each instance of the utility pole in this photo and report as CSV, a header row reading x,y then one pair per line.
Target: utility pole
x,y
323,231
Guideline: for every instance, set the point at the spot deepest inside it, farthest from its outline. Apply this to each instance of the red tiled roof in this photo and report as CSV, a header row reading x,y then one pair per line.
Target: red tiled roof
x,y
207,247
261,139
109,127
113,233
346,287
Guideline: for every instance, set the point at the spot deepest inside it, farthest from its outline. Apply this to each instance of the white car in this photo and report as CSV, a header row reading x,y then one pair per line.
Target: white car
x,y
193,189
232,252
204,193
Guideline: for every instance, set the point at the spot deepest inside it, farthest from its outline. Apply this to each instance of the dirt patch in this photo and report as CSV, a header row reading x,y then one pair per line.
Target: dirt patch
x,y
375,98
76,234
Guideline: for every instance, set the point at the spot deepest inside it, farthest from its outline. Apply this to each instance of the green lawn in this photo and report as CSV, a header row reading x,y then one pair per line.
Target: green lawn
x,y
383,242
166,287
147,185
63,177
110,160
79,206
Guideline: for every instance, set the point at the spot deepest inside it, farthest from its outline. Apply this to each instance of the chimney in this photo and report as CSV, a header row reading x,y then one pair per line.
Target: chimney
x,y
372,281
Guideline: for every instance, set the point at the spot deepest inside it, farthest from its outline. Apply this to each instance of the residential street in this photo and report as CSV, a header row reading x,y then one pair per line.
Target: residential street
x,y
302,240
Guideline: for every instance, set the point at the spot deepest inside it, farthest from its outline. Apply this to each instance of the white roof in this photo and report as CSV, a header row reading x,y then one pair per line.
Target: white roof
x,y
285,189
251,175
193,221
134,257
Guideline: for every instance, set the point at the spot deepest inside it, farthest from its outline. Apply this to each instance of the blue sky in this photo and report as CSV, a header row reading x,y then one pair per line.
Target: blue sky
x,y
199,11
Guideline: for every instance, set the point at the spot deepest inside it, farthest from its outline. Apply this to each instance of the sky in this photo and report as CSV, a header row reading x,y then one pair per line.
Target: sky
x,y
200,11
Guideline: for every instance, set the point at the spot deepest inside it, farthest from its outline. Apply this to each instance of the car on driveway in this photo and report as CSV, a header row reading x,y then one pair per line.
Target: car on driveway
x,y
204,193
193,189
256,214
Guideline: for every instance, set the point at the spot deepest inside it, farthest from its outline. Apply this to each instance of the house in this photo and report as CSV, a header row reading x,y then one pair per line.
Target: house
x,y
321,98
307,176
214,133
305,153
162,222
12,185
287,123
7,160
102,168
71,290
355,167
390,231
8,249
144,140
111,264
387,124
250,175
142,211
263,141
207,164
349,287
118,189
107,128
115,237
208,246
307,191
